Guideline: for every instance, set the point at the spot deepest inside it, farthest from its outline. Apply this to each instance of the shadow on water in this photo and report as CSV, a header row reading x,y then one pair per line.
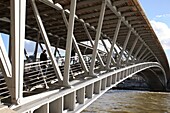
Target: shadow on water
x,y
131,101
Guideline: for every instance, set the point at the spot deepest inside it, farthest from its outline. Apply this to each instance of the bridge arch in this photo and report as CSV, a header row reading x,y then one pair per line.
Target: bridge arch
x,y
154,75
58,23
85,91
155,80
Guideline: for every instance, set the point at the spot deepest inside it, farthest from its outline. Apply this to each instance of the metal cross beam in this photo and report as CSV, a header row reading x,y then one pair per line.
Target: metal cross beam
x,y
91,41
124,46
17,50
98,34
47,43
113,43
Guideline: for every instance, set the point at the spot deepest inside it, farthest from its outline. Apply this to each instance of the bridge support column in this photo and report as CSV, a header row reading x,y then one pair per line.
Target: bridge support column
x,y
98,34
113,44
124,46
83,64
70,28
18,12
46,41
90,39
131,50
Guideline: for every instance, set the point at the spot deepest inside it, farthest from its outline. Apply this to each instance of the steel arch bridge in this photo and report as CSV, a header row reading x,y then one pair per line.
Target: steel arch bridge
x,y
113,40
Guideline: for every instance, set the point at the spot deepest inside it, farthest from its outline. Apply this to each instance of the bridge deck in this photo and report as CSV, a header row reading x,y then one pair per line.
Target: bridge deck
x,y
120,26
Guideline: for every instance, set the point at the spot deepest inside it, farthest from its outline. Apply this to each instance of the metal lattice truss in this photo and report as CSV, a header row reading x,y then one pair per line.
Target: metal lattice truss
x,y
63,23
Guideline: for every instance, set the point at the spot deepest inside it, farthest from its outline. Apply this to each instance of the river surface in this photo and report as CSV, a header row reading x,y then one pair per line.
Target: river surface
x,y
131,101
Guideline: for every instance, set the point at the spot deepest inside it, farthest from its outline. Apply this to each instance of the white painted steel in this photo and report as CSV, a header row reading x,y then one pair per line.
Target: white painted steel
x,y
97,37
91,41
131,50
70,30
83,64
104,44
118,14
124,46
113,43
17,50
46,41
137,52
83,93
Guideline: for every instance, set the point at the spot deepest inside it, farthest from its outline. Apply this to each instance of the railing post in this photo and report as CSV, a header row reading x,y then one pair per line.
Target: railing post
x,y
98,34
124,46
113,43
46,41
131,50
18,12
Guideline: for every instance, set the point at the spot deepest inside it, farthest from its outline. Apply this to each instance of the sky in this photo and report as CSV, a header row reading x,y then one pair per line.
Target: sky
x,y
158,13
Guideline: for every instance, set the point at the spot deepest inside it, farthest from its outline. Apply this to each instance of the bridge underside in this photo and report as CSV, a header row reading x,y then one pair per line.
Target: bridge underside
x,y
154,80
112,39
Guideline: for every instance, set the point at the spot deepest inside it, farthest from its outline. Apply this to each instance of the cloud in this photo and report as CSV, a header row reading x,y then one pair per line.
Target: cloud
x,y
163,15
162,30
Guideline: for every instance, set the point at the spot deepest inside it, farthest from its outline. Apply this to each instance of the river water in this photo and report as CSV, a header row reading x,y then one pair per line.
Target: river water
x,y
131,101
